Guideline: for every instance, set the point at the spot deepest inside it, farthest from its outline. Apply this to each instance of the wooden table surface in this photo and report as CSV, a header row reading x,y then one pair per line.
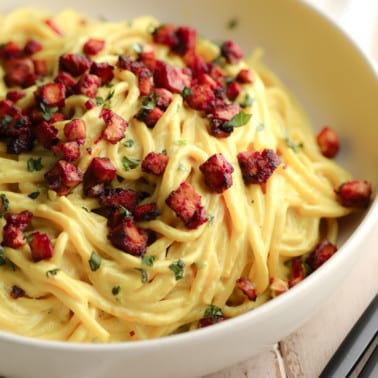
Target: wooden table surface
x,y
306,352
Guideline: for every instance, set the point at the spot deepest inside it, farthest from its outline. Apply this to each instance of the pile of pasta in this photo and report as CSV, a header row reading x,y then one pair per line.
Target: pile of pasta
x,y
250,238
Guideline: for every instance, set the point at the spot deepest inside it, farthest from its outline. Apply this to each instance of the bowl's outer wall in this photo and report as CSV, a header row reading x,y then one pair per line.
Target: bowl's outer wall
x,y
336,85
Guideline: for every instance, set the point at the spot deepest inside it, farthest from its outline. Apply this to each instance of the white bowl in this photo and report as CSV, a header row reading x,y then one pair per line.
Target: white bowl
x,y
336,84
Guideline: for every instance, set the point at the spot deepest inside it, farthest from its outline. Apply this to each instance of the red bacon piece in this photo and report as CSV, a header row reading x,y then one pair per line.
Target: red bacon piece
x,y
201,97
63,177
129,238
51,94
163,98
115,126
69,151
247,287
233,90
41,246
101,171
103,70
67,80
186,40
328,142
217,172
258,166
19,72
196,63
15,95
146,212
165,35
149,116
75,130
231,51
321,253
245,76
297,272
120,197
13,230
155,163
32,47
355,193
88,85
46,134
93,46
186,203
17,292
75,64
175,79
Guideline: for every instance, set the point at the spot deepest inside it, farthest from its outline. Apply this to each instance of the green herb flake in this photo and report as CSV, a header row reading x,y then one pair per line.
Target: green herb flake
x,y
34,195
144,274
240,119
296,147
214,312
178,269
128,143
85,209
5,261
4,204
180,142
47,111
233,23
94,261
148,260
52,272
34,164
260,127
247,102
149,102
211,219
186,92
129,163
125,212
6,120
137,47
116,289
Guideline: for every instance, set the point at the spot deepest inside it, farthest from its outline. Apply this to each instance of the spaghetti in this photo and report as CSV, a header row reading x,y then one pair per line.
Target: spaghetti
x,y
151,182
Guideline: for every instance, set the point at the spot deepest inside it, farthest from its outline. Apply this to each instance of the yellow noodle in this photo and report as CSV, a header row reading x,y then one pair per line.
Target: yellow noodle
x,y
252,230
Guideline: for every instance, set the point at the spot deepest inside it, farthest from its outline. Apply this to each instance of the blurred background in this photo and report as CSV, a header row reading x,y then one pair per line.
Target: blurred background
x,y
359,18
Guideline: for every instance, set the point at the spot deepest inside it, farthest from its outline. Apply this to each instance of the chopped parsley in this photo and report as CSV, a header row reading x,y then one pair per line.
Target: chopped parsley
x,y
137,47
238,120
296,147
105,102
116,289
34,164
214,313
125,212
128,143
34,195
144,274
178,269
94,261
47,111
52,272
148,260
149,102
233,23
186,92
211,218
260,127
129,163
5,261
248,101
4,204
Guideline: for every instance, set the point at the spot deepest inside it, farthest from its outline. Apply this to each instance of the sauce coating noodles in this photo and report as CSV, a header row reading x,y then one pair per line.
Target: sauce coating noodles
x,y
90,290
